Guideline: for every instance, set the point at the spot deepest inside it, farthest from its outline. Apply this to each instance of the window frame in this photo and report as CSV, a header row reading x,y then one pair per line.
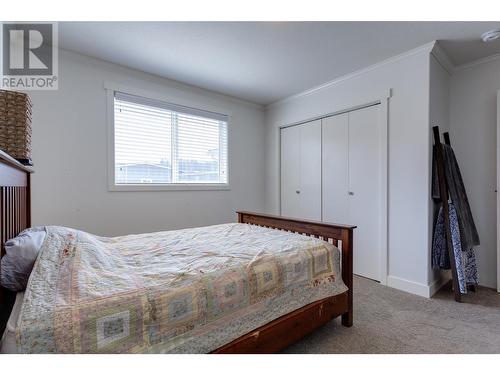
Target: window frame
x,y
110,89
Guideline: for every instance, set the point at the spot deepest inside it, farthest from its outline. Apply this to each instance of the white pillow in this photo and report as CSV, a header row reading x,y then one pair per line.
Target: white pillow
x,y
20,256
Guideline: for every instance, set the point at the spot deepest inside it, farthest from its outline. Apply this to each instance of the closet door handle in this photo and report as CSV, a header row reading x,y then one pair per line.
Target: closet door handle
x,y
350,193
297,191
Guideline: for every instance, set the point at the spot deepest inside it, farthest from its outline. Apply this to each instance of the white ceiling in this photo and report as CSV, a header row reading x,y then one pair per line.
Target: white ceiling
x,y
263,62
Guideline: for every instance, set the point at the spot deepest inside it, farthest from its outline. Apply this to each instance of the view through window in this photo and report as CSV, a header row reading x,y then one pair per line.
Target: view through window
x,y
162,143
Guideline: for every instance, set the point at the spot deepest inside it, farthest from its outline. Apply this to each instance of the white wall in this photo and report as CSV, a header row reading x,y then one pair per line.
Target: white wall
x,y
69,153
439,114
409,154
473,135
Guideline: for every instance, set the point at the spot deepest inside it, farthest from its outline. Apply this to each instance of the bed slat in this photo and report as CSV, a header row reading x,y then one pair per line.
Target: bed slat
x,y
13,212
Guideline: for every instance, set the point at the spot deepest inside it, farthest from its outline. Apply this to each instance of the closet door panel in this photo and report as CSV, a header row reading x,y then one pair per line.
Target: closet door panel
x,y
310,170
290,173
335,169
364,183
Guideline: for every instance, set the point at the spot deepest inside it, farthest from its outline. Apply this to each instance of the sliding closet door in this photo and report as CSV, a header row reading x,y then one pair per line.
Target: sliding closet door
x,y
364,187
351,182
301,171
310,170
331,171
290,171
335,138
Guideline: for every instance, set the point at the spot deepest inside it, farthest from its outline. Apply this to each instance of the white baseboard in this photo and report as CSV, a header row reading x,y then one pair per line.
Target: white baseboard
x,y
409,286
418,288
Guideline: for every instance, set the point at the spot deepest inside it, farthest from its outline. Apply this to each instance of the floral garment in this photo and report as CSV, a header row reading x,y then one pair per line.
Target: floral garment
x,y
465,260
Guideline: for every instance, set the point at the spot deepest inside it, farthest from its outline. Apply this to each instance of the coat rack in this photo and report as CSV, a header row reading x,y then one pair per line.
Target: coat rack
x,y
443,193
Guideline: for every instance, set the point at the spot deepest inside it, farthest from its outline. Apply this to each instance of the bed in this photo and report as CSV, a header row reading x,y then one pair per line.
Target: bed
x,y
255,286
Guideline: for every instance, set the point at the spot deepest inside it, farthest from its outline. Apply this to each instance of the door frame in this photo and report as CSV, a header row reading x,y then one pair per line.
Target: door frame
x,y
364,100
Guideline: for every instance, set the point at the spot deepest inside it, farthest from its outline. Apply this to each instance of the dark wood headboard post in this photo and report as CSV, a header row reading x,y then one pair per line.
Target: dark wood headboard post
x,y
28,200
339,234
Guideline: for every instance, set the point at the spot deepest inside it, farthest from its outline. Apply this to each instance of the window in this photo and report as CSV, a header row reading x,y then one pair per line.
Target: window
x,y
157,143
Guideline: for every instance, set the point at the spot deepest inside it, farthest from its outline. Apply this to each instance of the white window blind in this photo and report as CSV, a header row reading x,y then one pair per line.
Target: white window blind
x,y
163,143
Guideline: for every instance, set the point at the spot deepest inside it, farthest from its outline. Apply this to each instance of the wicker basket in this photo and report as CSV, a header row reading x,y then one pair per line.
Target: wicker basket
x,y
15,125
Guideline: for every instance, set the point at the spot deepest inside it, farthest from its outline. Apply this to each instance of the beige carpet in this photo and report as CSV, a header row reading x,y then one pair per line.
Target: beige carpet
x,y
387,320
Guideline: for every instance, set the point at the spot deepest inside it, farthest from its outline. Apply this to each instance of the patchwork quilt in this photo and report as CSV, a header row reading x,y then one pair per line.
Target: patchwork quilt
x,y
183,291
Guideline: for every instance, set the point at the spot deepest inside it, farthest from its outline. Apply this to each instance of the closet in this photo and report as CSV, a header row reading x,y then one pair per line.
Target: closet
x,y
331,171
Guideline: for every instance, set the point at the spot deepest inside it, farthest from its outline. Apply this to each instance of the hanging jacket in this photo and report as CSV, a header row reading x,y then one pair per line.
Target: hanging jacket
x,y
468,232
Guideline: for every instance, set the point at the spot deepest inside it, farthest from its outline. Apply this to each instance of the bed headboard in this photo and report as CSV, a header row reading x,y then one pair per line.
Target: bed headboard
x,y
15,215
15,211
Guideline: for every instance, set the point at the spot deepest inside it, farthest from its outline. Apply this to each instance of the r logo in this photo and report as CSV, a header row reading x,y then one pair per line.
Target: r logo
x,y
28,49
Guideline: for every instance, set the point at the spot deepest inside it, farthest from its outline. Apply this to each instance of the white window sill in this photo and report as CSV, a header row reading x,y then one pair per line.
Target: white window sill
x,y
167,187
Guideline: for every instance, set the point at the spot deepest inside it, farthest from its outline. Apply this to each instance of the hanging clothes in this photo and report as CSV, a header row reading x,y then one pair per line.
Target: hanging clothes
x,y
468,233
465,261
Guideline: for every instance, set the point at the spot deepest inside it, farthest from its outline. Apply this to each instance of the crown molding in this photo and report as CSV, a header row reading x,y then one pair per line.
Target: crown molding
x,y
428,47
442,57
480,61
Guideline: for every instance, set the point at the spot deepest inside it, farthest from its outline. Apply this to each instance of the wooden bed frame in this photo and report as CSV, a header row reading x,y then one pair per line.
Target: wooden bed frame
x,y
270,338
15,215
291,327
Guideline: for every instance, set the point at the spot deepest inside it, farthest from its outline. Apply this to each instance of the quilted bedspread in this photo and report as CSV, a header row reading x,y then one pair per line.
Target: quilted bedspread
x,y
183,291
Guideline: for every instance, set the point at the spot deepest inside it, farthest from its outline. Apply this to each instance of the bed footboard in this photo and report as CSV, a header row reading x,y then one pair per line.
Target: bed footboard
x,y
339,235
291,327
